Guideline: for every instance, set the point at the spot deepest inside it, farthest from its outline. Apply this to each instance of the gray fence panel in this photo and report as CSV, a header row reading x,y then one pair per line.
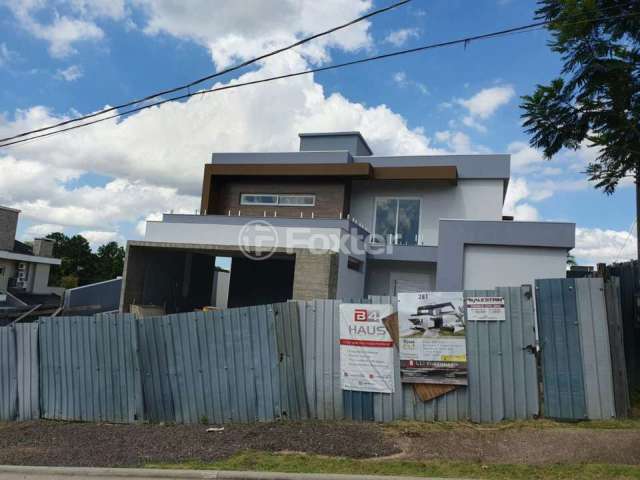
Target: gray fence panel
x,y
616,342
502,371
89,369
237,365
28,376
564,395
596,355
287,320
8,374
319,320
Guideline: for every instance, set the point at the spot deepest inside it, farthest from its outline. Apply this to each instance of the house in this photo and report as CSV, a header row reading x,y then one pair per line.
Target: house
x,y
24,269
333,220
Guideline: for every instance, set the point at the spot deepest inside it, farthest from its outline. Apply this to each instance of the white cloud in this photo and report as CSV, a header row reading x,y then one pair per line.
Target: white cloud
x,y
6,55
156,157
61,33
515,201
41,230
401,79
70,74
97,238
402,36
234,30
594,245
485,103
523,156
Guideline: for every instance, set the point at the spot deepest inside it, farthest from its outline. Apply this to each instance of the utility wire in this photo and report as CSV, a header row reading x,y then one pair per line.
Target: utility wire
x,y
465,41
188,86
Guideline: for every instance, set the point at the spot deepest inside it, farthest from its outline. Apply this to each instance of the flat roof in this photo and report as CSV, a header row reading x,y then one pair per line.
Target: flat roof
x,y
9,209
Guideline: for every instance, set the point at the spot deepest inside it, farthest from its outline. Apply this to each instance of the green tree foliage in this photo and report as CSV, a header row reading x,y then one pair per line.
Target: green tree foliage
x,y
596,99
80,265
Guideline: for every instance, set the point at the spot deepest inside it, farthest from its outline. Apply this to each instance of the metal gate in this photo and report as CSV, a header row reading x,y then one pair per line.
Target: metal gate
x,y
563,378
575,347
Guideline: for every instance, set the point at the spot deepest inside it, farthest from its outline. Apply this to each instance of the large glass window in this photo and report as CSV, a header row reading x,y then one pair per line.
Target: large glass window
x,y
397,220
284,200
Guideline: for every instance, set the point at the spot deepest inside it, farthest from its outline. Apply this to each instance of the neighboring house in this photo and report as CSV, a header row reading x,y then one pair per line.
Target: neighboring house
x,y
24,270
436,221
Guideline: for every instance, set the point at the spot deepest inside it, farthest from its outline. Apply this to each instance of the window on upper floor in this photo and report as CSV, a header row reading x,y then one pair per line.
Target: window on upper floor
x,y
397,220
282,200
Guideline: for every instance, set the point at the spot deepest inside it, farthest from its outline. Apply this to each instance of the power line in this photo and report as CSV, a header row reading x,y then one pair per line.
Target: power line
x,y
465,41
193,83
626,240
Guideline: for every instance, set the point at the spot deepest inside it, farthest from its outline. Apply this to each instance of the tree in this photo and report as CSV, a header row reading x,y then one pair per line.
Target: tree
x,y
80,265
110,260
595,102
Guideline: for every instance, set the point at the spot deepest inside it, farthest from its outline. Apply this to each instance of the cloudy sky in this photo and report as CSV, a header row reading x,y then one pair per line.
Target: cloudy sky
x,y
59,58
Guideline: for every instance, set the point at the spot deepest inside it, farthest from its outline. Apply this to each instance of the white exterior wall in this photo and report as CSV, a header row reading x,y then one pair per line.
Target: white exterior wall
x,y
489,266
219,234
468,200
382,275
40,279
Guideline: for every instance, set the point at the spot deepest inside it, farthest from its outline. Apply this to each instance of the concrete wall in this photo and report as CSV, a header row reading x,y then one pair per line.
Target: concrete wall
x,y
8,226
470,199
382,275
40,278
350,141
489,266
8,271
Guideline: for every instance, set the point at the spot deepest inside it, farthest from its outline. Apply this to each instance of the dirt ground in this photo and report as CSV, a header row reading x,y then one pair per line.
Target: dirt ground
x,y
84,444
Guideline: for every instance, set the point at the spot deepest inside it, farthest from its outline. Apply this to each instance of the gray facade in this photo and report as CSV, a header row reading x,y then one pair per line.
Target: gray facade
x,y
8,226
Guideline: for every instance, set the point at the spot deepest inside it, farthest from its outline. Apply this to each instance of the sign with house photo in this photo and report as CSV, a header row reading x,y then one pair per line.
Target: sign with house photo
x,y
433,347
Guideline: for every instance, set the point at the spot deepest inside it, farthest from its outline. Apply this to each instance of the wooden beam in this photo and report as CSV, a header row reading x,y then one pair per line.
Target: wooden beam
x,y
291,170
448,173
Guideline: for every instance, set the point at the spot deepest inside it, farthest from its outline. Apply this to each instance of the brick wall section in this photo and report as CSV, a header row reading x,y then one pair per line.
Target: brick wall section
x,y
8,225
315,276
331,200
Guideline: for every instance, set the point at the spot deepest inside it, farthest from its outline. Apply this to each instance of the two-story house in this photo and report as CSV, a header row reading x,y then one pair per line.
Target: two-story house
x,y
333,220
24,269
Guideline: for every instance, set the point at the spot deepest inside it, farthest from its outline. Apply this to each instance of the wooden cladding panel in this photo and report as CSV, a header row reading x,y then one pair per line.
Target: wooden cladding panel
x,y
330,197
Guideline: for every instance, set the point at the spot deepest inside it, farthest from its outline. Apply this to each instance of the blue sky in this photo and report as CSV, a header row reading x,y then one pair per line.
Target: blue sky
x,y
63,57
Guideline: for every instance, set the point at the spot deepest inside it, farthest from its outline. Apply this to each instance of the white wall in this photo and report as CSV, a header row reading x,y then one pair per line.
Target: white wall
x,y
489,266
382,275
234,235
469,199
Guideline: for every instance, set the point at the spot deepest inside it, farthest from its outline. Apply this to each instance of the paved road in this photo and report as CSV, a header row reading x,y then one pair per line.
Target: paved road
x,y
66,473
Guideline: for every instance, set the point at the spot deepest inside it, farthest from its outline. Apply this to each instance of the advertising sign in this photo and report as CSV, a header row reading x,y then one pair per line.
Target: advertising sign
x,y
433,346
485,309
366,348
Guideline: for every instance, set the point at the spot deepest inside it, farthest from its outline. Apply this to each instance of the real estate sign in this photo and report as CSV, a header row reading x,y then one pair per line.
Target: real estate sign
x,y
485,309
366,348
433,346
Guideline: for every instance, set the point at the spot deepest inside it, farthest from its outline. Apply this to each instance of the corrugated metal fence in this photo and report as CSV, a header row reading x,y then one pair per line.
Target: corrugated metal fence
x,y
576,351
282,361
236,365
502,372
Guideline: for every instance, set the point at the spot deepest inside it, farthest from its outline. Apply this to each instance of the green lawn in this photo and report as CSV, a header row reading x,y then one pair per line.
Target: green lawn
x,y
270,462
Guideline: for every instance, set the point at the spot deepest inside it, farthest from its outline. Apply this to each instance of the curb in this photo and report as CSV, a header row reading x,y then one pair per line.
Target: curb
x,y
14,472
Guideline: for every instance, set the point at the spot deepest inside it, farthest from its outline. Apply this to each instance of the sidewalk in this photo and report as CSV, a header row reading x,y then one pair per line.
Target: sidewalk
x,y
10,472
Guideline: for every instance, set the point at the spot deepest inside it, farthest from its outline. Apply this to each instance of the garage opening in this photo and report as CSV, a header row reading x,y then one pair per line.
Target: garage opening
x,y
260,282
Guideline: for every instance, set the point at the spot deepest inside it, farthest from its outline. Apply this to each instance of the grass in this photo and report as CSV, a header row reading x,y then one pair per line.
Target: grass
x,y
417,427
299,463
